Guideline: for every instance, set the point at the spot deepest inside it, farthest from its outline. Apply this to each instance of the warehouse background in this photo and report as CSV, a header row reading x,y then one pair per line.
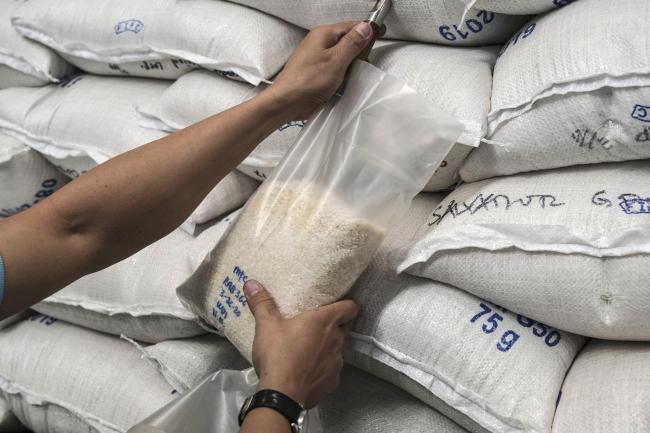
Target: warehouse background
x,y
512,297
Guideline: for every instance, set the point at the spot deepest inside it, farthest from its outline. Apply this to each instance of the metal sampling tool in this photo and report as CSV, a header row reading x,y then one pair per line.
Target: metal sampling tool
x,y
376,19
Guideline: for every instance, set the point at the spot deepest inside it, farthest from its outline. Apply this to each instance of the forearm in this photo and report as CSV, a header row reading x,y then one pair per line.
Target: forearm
x,y
142,195
126,203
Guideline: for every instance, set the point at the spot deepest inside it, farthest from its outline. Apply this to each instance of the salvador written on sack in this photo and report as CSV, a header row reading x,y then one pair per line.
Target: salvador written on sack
x,y
569,247
137,296
87,120
489,369
161,38
571,87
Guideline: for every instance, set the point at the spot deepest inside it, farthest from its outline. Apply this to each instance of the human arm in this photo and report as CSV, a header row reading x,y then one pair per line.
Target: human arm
x,y
140,196
300,357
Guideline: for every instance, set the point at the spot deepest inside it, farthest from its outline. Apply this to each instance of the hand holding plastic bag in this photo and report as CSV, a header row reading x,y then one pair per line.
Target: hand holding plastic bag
x,y
312,228
212,407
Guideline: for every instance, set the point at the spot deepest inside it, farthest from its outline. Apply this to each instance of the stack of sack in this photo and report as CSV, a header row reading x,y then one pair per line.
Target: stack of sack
x,y
493,309
26,177
554,220
459,79
114,382
88,119
24,62
487,368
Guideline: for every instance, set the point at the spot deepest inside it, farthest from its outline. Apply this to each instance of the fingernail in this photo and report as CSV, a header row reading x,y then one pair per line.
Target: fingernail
x,y
251,288
364,29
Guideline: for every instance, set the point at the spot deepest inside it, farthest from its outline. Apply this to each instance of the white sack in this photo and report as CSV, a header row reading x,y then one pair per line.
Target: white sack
x,y
24,62
214,34
459,79
361,404
481,365
365,404
518,7
87,120
61,378
568,247
437,21
25,177
201,94
82,121
88,392
165,69
10,77
137,296
231,193
8,421
185,363
607,390
15,318
57,377
572,87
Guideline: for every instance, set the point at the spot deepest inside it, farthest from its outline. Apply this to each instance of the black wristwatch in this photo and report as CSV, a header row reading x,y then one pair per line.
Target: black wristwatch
x,y
290,409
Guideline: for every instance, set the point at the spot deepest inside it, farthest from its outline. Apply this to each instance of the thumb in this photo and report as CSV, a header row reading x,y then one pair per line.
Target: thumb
x,y
260,302
354,41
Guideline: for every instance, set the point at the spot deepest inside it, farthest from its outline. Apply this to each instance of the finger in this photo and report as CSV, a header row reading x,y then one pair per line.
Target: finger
x,y
346,328
260,302
339,30
340,312
342,338
340,363
353,42
332,374
329,35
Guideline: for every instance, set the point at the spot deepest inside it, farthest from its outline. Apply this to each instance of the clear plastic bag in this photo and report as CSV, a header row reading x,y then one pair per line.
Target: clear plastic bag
x,y
312,228
212,407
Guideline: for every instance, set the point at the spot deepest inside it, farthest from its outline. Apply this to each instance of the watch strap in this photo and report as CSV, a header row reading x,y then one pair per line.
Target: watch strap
x,y
275,400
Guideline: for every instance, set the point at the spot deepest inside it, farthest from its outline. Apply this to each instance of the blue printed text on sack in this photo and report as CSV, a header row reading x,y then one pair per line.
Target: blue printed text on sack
x,y
231,298
133,26
641,112
471,26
